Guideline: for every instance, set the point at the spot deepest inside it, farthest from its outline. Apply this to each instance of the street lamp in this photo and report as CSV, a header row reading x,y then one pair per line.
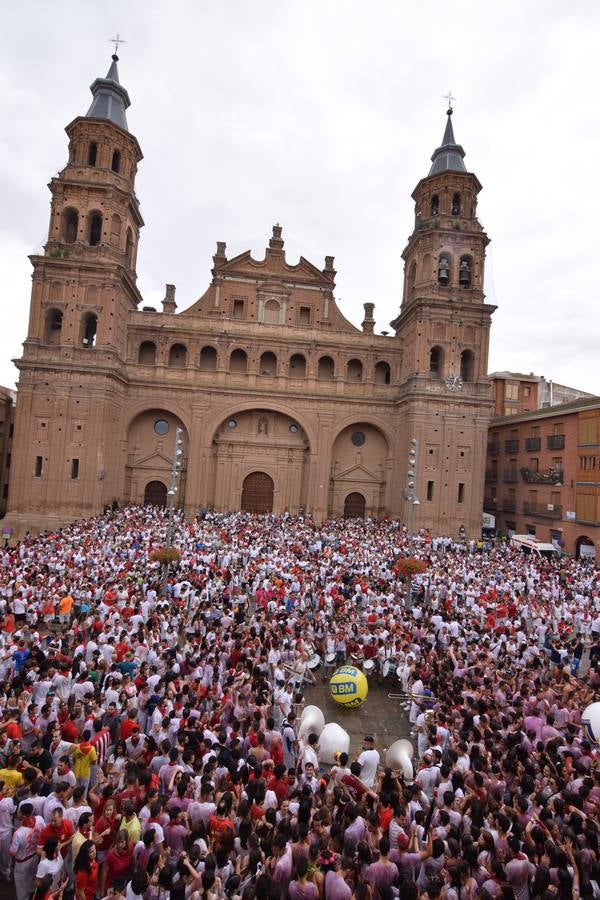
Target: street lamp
x,y
411,493
176,464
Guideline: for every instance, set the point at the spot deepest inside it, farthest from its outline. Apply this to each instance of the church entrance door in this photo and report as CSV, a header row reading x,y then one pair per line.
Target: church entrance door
x,y
354,506
155,494
257,493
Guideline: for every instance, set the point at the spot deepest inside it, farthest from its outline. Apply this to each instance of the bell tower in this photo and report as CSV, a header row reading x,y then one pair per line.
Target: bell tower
x,y
444,326
84,288
443,272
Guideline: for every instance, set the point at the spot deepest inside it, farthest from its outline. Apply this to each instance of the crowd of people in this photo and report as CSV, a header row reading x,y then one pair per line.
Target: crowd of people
x,y
149,739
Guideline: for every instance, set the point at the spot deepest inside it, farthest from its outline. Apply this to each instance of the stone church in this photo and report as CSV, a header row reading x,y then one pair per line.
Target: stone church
x,y
283,403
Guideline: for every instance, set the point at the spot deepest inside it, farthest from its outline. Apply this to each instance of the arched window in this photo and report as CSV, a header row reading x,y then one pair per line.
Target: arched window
x,y
326,371
70,225
464,272
268,364
382,373
444,265
115,230
436,361
208,359
54,322
92,153
147,353
354,370
238,362
297,366
129,248
116,161
178,356
435,205
467,365
456,204
412,280
95,235
90,327
271,315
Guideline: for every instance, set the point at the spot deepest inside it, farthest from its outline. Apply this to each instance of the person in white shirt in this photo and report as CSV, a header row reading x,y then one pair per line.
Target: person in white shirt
x,y
368,761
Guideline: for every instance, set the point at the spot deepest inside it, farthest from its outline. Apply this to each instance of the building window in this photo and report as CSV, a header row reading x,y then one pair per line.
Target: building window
x,y
530,529
435,205
238,309
534,464
354,370
464,272
526,391
74,469
129,248
304,315
178,356
267,364
358,438
461,492
90,328
382,373
467,365
116,161
208,359
54,321
588,463
95,235
70,225
456,204
557,464
326,369
92,153
436,360
39,464
161,427
511,391
444,265
147,353
238,362
297,366
430,490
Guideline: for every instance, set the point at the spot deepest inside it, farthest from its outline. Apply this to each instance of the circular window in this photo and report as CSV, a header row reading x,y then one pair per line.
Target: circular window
x,y
232,423
358,438
294,429
161,426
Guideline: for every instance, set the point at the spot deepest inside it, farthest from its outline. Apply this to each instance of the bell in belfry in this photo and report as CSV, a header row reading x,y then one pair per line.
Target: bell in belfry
x,y
464,275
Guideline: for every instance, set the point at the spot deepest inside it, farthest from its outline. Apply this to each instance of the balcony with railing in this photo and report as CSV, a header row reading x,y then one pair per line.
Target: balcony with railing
x,y
511,476
491,475
509,505
490,504
493,447
512,446
544,510
533,443
550,476
555,442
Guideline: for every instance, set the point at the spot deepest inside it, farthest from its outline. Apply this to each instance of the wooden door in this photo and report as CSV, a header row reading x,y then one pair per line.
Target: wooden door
x,y
155,494
257,493
354,506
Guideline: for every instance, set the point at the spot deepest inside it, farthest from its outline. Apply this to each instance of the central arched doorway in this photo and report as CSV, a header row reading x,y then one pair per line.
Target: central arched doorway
x,y
257,493
585,548
354,506
155,494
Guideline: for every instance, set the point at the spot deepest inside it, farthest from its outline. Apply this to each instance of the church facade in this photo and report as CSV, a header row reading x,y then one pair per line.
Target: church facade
x,y
284,405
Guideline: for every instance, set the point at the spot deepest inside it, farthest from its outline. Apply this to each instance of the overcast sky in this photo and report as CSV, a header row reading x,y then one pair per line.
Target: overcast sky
x,y
323,116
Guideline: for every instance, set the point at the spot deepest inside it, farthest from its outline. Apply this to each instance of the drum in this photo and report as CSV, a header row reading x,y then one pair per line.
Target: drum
x,y
314,663
330,659
368,666
389,668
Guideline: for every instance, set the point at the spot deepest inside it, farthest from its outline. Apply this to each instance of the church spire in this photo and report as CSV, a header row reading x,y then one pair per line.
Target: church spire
x,y
110,97
449,156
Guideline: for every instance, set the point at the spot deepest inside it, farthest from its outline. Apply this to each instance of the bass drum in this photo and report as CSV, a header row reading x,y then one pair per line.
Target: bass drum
x,y
314,663
389,668
369,666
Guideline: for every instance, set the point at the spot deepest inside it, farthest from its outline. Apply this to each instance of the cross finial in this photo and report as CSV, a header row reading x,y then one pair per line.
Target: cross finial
x,y
450,99
116,41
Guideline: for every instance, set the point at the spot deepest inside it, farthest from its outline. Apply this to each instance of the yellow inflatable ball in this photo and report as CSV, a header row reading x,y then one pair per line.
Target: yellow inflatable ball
x,y
349,687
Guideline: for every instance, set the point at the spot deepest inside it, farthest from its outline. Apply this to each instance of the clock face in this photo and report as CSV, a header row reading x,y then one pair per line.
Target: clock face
x,y
454,382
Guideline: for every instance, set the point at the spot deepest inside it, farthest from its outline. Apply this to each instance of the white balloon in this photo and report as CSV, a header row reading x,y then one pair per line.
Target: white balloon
x,y
590,719
399,756
311,721
333,740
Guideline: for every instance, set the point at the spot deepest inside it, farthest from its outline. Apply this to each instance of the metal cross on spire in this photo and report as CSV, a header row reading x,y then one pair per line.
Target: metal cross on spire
x,y
449,98
116,41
